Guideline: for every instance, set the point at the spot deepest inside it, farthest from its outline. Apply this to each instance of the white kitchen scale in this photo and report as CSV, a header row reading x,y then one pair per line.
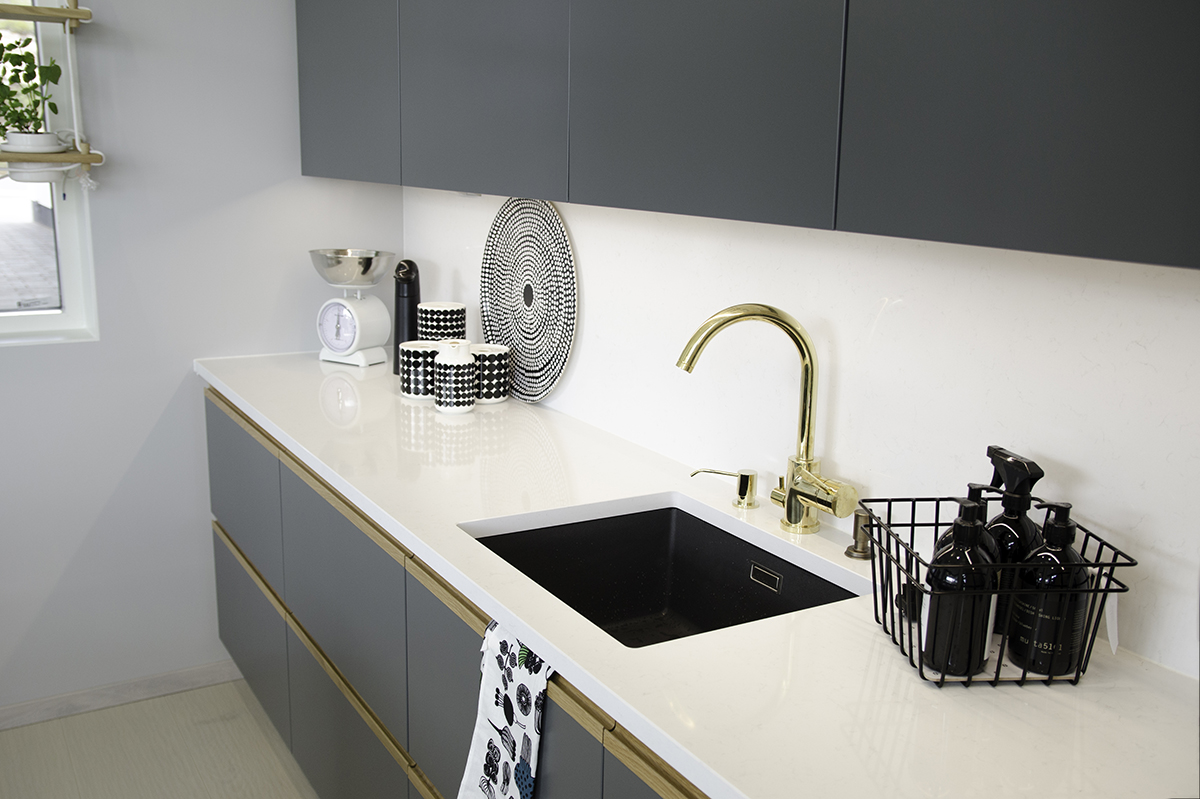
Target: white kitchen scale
x,y
353,329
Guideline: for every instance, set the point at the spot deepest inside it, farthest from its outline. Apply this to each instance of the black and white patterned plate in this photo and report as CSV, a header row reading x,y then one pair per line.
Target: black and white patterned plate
x,y
527,294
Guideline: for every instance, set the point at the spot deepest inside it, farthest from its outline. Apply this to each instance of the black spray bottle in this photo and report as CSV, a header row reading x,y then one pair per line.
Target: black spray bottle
x,y
408,294
956,623
1046,631
1013,531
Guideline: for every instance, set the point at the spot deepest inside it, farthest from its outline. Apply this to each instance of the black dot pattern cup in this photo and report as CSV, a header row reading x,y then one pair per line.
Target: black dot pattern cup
x,y
454,377
491,373
416,369
437,321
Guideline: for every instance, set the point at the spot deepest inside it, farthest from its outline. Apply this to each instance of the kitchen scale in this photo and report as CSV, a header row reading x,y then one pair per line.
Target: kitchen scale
x,y
353,329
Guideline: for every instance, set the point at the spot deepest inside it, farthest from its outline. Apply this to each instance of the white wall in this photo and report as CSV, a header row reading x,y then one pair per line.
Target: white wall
x,y
928,353
201,231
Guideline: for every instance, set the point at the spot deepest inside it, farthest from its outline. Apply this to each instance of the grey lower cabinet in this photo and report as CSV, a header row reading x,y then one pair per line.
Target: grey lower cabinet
x,y
1068,127
349,73
334,747
707,107
350,596
570,761
483,96
255,635
621,783
443,687
243,480
413,661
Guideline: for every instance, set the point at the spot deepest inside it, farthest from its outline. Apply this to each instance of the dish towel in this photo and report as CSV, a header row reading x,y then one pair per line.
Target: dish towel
x,y
503,759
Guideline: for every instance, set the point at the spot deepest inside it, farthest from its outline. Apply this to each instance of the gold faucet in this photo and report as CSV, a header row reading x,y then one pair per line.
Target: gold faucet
x,y
804,491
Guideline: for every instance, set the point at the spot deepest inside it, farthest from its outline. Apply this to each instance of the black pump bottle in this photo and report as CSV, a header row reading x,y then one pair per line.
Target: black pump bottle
x,y
956,626
1013,531
408,294
1046,631
986,542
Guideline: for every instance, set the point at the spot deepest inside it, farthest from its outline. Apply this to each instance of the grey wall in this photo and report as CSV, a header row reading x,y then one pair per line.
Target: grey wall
x,y
201,228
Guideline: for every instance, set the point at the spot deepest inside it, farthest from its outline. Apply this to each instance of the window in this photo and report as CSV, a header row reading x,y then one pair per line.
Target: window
x,y
47,287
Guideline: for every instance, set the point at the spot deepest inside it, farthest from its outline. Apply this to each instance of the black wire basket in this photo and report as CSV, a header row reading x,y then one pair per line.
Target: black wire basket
x,y
903,535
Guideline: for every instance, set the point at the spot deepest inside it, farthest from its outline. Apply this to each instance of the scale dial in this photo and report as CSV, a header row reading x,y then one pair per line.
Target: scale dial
x,y
353,330
337,326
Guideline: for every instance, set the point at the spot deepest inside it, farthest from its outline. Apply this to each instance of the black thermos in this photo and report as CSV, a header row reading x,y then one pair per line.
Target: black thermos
x,y
408,294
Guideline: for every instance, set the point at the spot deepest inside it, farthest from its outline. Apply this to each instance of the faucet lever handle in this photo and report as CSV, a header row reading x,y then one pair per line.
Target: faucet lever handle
x,y
747,485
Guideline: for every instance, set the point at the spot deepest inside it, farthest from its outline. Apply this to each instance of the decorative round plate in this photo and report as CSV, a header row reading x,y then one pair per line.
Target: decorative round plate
x,y
527,294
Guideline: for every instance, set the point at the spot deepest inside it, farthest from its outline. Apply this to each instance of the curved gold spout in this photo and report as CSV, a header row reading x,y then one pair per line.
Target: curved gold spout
x,y
803,491
799,336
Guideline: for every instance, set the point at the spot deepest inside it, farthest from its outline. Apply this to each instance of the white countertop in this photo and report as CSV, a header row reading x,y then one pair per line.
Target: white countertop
x,y
818,701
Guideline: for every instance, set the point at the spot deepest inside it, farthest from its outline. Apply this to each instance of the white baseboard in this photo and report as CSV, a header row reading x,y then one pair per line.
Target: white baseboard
x,y
54,707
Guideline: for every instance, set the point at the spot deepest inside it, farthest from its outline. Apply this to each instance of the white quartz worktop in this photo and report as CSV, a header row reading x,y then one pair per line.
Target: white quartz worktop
x,y
818,702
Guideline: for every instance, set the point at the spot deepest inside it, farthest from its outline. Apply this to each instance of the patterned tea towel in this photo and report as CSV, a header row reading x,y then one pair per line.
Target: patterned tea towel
x,y
508,727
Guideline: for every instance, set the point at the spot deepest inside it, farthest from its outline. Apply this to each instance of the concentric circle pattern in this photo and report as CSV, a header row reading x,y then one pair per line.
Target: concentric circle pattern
x,y
527,294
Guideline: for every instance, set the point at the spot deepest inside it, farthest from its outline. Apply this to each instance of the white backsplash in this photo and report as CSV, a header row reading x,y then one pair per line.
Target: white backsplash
x,y
928,353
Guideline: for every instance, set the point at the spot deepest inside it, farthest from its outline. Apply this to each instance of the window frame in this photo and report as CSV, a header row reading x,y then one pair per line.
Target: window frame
x,y
78,318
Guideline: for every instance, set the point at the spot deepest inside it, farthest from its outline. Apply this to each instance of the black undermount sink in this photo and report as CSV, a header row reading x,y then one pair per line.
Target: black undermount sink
x,y
657,575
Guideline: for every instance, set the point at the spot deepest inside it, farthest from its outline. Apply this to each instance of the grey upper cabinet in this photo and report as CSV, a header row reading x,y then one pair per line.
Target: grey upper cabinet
x,y
349,595
484,96
243,481
349,65
707,107
1067,127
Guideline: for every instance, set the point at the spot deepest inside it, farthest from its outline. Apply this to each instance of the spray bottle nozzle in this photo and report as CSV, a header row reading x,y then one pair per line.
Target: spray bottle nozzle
x,y
1016,474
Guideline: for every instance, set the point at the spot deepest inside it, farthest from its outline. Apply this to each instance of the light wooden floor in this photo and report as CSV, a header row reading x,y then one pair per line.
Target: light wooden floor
x,y
209,743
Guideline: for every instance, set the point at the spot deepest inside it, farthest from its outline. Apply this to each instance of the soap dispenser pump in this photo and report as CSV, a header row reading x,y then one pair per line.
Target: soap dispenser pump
x,y
957,619
1014,533
986,542
1046,631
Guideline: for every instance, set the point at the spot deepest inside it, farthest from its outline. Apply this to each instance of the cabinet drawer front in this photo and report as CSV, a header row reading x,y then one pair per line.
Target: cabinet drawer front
x,y
255,634
443,688
335,748
349,595
243,479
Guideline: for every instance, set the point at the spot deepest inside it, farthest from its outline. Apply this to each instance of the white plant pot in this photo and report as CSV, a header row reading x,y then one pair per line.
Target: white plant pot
x,y
17,142
38,173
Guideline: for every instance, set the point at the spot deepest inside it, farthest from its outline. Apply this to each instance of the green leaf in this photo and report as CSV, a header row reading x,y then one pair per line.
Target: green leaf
x,y
53,107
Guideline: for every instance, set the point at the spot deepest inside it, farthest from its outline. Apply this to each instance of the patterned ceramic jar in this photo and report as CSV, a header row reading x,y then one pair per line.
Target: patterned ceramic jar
x,y
454,377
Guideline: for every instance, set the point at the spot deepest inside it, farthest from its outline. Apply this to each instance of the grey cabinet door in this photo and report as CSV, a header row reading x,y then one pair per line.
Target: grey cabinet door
x,y
707,107
243,480
1067,127
570,761
349,70
255,635
621,783
349,595
484,96
443,688
335,748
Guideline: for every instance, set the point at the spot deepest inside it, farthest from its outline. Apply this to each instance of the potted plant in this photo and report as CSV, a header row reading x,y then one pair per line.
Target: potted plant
x,y
24,96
